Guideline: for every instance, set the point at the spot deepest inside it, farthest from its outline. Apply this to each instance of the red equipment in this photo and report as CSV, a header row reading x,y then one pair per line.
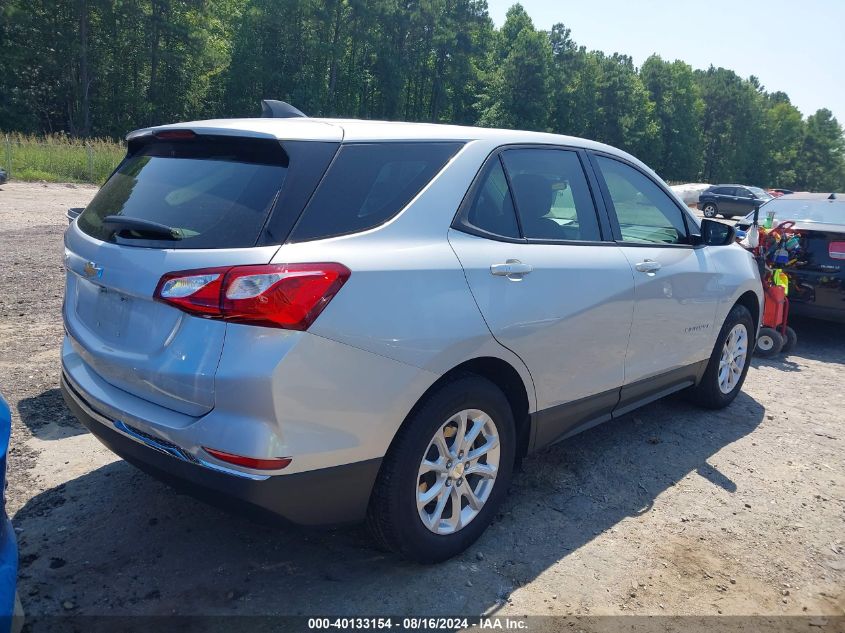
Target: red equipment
x,y
775,336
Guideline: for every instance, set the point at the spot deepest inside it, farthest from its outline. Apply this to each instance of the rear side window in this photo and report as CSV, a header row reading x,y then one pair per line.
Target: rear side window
x,y
369,183
552,195
206,192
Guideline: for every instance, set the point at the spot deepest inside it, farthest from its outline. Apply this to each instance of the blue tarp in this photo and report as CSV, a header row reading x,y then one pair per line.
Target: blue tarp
x,y
8,544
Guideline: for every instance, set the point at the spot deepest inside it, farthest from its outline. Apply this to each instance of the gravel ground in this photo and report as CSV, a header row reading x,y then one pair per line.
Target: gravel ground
x,y
671,510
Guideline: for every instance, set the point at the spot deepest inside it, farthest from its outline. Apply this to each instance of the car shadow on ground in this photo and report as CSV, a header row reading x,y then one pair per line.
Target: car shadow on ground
x,y
47,417
115,541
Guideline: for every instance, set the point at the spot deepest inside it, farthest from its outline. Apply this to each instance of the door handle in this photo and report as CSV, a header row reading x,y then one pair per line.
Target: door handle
x,y
513,269
648,266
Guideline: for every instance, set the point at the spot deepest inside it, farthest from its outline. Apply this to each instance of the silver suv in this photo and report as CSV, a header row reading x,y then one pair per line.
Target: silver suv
x,y
339,320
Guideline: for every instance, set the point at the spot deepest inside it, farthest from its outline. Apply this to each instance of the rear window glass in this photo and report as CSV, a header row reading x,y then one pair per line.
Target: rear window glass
x,y
208,192
369,183
821,211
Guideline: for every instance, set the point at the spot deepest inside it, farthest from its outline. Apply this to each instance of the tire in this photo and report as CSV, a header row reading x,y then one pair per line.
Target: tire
x,y
790,341
710,210
393,517
716,389
769,342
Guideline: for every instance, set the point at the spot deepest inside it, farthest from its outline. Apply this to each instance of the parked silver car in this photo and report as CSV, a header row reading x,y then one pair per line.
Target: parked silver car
x,y
339,320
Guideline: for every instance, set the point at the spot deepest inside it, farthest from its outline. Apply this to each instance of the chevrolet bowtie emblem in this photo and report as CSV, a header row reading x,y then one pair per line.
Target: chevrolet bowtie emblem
x,y
92,270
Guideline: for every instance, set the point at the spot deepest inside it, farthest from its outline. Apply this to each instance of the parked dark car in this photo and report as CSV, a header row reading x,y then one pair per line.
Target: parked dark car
x,y
731,200
817,272
3,177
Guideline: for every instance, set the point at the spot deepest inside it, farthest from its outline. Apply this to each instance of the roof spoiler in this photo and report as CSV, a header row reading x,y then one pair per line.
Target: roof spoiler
x,y
272,109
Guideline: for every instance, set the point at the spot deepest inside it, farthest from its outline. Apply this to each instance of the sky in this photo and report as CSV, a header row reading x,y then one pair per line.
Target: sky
x,y
793,46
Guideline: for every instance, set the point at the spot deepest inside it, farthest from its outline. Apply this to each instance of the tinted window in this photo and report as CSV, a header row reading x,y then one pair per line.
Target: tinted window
x,y
369,183
723,191
492,208
552,196
214,192
644,211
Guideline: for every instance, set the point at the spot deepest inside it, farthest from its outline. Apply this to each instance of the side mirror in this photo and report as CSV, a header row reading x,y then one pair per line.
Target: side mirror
x,y
715,233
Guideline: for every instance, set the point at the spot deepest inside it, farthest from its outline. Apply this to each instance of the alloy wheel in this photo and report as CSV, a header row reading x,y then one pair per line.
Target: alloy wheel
x,y
733,359
458,471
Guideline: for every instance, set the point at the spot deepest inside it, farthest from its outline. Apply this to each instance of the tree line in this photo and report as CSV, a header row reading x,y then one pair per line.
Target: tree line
x,y
104,67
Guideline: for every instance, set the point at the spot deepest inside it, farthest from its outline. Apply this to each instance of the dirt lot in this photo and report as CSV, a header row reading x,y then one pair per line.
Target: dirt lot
x,y
671,510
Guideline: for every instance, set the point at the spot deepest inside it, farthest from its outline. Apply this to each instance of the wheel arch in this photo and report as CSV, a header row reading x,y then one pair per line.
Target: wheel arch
x,y
751,302
506,377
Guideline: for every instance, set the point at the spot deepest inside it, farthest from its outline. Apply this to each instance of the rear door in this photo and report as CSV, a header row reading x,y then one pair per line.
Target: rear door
x,y
745,201
177,202
548,285
726,200
677,289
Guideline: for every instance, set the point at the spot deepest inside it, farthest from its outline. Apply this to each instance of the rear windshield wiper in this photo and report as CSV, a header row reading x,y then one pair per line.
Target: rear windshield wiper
x,y
139,225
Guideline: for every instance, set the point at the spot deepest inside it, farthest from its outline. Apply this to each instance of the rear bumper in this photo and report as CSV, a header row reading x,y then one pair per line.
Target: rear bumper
x,y
325,496
818,295
814,311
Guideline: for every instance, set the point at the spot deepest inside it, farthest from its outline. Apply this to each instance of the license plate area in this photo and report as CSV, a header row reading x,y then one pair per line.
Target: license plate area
x,y
103,310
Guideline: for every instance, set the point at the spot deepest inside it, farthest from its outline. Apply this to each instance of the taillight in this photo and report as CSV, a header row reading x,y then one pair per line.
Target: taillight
x,y
836,250
288,296
273,463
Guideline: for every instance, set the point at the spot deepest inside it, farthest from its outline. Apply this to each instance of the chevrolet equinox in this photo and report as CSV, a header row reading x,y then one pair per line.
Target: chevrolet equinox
x,y
342,320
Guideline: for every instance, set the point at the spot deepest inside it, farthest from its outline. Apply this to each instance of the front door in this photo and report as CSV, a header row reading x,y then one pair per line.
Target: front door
x,y
676,284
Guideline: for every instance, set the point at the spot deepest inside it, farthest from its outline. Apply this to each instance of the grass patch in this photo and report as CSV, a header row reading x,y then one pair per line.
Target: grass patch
x,y
59,158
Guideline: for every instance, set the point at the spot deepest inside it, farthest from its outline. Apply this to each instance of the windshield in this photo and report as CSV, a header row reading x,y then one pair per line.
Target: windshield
x,y
760,193
211,192
821,211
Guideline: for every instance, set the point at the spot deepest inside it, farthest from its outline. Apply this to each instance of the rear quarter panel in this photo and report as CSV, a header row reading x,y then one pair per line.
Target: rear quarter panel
x,y
407,298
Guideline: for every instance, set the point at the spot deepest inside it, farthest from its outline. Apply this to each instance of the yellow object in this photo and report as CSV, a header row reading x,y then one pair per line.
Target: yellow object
x,y
779,278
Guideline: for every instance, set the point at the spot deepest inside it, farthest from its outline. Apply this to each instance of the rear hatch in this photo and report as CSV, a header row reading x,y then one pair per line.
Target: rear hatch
x,y
179,201
820,262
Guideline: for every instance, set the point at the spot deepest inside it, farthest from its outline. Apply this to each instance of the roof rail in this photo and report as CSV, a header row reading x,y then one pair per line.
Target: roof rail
x,y
272,109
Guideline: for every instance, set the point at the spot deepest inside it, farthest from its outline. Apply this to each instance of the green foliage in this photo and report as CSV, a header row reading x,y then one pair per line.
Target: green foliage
x,y
678,108
93,68
518,91
823,154
59,158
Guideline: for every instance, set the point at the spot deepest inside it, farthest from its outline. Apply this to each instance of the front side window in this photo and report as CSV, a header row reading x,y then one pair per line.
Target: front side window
x,y
646,214
552,196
